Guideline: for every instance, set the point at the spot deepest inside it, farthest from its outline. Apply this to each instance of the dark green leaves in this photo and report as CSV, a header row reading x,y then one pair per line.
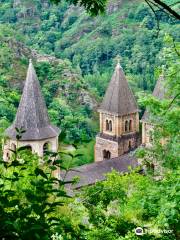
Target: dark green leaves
x,y
40,172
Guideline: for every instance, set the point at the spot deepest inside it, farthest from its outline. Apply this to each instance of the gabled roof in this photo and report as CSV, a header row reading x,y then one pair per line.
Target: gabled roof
x,y
119,98
91,173
32,113
158,92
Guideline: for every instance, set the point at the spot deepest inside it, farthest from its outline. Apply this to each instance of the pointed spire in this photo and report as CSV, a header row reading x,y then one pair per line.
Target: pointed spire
x,y
32,113
118,61
158,92
119,98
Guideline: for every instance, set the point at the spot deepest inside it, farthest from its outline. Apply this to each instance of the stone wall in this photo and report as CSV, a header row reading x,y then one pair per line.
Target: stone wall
x,y
118,123
36,146
118,141
116,147
147,131
104,144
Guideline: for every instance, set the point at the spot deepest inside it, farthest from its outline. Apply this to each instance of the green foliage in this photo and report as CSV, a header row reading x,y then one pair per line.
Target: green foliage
x,y
93,43
82,154
97,6
93,7
30,198
124,202
165,113
33,203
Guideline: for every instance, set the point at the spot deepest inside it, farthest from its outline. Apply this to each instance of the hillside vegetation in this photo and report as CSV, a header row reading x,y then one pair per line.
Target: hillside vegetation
x,y
74,55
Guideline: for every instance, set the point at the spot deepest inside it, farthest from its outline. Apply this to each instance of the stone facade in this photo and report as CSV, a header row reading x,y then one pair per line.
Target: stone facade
x,y
147,133
37,147
121,138
159,92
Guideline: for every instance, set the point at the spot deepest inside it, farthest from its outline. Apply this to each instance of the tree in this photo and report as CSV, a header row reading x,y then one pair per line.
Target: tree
x,y
96,7
32,199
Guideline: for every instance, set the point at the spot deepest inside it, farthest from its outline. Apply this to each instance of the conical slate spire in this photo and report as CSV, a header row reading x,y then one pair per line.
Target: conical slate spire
x,y
158,92
32,113
119,98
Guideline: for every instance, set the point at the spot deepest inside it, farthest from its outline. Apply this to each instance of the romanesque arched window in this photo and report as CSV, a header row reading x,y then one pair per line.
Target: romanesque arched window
x,y
46,147
126,126
130,125
27,148
129,146
107,125
106,154
110,125
13,147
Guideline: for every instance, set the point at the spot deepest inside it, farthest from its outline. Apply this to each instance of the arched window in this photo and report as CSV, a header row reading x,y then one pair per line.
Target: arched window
x,y
27,148
13,147
130,125
46,147
106,154
107,125
126,126
129,146
110,125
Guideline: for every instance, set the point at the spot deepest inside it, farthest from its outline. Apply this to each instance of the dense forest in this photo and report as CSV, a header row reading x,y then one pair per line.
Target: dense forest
x,y
74,55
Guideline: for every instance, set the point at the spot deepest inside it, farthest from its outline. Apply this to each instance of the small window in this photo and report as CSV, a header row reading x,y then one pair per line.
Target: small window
x,y
129,146
27,148
130,125
46,147
13,147
107,125
151,136
110,125
106,154
126,126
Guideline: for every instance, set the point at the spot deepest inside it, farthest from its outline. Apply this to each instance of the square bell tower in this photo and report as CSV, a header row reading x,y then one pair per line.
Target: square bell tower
x,y
119,119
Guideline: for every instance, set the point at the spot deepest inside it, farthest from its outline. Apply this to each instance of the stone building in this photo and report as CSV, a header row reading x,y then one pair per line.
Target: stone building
x,y
31,116
119,119
147,126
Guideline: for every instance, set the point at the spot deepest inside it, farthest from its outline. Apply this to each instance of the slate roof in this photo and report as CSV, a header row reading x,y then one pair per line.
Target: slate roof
x,y
119,98
158,92
32,113
94,172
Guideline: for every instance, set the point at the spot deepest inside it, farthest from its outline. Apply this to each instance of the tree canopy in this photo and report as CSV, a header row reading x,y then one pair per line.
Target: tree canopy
x,y
96,7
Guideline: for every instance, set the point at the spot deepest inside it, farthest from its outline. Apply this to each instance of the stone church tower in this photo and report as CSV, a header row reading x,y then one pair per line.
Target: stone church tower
x,y
32,116
119,119
147,126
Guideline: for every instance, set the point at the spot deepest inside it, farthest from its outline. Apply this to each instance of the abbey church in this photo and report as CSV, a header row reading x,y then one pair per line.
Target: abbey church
x,y
119,127
119,119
